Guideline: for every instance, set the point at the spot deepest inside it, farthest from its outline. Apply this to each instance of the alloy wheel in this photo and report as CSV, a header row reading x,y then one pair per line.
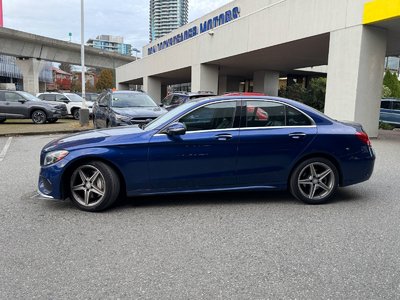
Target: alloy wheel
x,y
38,117
88,185
316,181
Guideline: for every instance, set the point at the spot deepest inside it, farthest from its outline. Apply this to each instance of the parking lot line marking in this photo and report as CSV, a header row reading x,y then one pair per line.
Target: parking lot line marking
x,y
5,149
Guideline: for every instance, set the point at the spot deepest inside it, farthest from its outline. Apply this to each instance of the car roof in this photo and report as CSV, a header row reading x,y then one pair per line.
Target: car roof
x,y
318,116
390,99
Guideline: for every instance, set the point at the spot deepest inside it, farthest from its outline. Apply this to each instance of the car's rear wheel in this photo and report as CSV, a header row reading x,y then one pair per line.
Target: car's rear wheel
x,y
75,113
94,186
52,120
39,117
2,120
314,181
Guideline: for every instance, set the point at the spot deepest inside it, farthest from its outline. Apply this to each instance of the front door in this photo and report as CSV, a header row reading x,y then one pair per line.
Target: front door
x,y
204,157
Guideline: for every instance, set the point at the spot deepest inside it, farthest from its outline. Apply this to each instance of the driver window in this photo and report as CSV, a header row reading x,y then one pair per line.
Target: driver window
x,y
61,98
213,116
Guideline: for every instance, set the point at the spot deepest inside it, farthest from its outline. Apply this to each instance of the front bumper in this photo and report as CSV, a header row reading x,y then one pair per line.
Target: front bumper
x,y
49,183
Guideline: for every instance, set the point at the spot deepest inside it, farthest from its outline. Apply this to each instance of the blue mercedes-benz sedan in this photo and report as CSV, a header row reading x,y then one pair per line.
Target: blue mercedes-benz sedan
x,y
214,144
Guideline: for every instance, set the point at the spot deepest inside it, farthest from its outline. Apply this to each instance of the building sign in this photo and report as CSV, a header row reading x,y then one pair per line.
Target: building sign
x,y
205,26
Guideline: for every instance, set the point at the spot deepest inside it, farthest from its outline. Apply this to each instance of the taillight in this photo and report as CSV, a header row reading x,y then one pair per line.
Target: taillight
x,y
362,136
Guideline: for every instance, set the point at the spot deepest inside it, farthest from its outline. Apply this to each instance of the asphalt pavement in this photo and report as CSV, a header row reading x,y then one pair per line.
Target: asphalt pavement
x,y
262,245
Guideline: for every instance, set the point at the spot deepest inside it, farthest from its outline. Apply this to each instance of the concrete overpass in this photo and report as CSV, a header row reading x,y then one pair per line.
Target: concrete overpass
x,y
271,38
31,49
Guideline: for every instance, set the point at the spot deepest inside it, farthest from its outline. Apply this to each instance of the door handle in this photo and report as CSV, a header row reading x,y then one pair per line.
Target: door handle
x,y
297,135
223,137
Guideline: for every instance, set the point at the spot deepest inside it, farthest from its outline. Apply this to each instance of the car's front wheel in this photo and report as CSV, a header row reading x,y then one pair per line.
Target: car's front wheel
x,y
314,181
94,186
39,117
2,120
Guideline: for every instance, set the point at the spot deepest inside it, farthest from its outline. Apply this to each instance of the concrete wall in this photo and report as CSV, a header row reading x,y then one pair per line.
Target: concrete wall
x,y
260,26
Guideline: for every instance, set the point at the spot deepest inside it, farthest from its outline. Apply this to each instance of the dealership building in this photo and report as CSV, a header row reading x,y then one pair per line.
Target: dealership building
x,y
260,41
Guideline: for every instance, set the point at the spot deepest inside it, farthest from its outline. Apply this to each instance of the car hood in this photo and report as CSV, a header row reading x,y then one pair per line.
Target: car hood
x,y
94,138
140,111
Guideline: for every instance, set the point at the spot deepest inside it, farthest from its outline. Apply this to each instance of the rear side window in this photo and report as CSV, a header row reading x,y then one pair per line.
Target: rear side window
x,y
268,114
396,105
264,114
49,97
385,104
296,118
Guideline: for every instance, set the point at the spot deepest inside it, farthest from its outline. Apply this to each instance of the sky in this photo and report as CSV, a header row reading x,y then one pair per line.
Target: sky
x,y
57,18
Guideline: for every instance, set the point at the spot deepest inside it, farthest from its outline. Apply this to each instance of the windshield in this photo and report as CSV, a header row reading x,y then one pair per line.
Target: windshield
x,y
74,97
122,100
29,96
171,115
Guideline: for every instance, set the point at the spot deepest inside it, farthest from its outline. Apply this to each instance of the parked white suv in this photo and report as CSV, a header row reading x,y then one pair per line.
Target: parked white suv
x,y
73,102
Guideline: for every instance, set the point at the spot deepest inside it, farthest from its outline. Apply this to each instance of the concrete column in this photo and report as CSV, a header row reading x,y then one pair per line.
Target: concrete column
x,y
205,78
30,69
266,82
152,86
355,76
222,84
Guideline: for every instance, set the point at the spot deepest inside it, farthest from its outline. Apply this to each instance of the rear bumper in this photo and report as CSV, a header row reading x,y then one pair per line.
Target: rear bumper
x,y
358,169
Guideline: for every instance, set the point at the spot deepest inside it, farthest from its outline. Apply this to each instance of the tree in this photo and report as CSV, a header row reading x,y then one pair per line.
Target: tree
x,y
313,96
386,92
390,80
66,67
105,80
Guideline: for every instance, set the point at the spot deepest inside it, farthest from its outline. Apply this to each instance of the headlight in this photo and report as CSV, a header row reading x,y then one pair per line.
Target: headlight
x,y
122,118
55,156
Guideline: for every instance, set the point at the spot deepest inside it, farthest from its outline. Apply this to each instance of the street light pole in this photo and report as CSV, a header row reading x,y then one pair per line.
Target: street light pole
x,y
84,112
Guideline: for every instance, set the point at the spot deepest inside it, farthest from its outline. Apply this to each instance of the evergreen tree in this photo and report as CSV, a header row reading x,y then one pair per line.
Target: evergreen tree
x,y
390,80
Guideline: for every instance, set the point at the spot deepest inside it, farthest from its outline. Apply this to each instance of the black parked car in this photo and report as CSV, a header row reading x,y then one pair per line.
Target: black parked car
x,y
177,98
22,105
121,108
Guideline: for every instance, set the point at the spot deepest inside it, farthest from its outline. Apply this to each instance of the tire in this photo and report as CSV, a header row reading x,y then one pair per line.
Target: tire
x,y
94,186
39,117
2,120
75,113
53,120
314,181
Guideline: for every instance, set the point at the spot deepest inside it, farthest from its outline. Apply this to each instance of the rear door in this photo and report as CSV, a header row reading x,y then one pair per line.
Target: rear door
x,y
272,136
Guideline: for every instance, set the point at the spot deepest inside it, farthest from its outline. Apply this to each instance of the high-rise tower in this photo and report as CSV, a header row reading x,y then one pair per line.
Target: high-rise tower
x,y
167,15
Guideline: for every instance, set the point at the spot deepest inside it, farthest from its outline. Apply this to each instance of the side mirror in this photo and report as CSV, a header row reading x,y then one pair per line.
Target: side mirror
x,y
161,104
65,100
175,129
22,101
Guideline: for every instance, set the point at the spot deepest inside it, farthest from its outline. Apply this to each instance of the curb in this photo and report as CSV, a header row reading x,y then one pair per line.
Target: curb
x,y
41,133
